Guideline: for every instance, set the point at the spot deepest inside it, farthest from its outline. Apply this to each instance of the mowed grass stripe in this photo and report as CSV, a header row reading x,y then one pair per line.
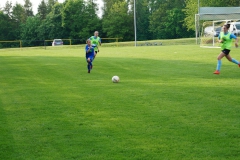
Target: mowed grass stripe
x,y
168,104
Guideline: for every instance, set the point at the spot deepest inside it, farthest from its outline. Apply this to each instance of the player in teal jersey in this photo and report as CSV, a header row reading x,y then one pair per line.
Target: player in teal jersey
x,y
225,38
96,42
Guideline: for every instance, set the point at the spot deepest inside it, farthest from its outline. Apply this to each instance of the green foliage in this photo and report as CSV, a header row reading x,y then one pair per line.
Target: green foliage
x,y
8,8
190,10
42,10
79,18
52,26
18,14
166,22
117,22
174,26
4,27
50,4
28,8
142,20
108,5
30,31
168,104
8,28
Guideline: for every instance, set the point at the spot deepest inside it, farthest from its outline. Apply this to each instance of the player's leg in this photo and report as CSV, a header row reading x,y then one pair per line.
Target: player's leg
x,y
95,53
219,62
89,64
232,60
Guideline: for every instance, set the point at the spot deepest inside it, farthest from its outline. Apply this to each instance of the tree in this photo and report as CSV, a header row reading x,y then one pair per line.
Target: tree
x,y
118,23
142,19
30,31
28,8
5,27
79,19
18,17
95,22
107,5
166,21
190,11
8,8
50,4
174,25
52,28
18,14
42,10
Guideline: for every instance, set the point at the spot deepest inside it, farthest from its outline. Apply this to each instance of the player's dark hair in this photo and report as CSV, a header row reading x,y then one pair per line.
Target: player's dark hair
x,y
227,26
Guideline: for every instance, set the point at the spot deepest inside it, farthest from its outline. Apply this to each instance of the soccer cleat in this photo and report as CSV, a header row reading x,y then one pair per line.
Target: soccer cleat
x,y
216,72
88,71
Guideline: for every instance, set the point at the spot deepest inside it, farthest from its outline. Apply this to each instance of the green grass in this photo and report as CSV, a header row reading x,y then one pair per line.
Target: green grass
x,y
168,104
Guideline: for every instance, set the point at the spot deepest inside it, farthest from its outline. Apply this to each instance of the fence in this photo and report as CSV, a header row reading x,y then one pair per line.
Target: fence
x,y
47,43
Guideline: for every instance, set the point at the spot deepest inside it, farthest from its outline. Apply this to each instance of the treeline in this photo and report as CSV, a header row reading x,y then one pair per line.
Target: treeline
x,y
78,19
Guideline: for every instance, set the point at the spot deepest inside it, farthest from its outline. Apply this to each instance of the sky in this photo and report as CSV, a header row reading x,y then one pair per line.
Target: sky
x,y
35,4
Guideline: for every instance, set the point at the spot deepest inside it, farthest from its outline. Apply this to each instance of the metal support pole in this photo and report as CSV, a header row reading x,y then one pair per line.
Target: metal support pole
x,y
135,25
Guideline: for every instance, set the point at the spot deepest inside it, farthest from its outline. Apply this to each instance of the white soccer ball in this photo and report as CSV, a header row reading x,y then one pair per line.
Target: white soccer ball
x,y
115,79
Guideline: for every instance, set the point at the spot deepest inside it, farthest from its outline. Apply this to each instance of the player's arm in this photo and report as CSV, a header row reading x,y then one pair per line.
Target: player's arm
x,y
88,48
100,42
236,42
236,39
219,39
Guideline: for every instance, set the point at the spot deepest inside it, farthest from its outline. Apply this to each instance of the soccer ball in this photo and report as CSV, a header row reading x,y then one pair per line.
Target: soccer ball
x,y
115,79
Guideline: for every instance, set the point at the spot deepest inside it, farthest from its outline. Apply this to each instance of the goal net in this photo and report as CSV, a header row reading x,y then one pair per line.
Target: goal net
x,y
209,33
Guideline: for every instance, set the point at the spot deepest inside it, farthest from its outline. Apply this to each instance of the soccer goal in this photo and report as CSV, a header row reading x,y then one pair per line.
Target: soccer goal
x,y
210,31
208,23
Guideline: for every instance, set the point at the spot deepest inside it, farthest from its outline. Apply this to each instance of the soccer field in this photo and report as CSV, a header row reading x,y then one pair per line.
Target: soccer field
x,y
167,105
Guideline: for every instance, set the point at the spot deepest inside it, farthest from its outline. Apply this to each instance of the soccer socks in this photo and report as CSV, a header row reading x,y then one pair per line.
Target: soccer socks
x,y
89,66
219,63
234,61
